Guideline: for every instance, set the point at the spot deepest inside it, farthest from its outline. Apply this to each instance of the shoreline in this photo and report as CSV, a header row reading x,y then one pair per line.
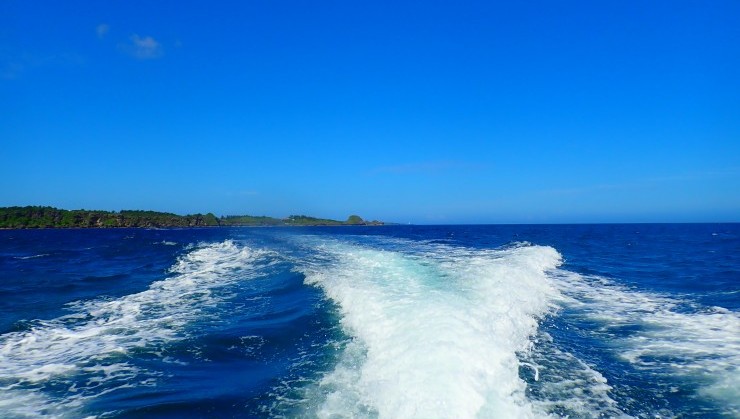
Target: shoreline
x,y
43,217
188,227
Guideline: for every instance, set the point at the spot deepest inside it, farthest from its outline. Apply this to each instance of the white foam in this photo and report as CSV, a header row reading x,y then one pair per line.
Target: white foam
x,y
25,404
95,339
435,333
669,336
569,386
31,257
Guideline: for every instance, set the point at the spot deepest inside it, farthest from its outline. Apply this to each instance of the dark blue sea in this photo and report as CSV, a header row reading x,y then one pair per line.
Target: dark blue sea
x,y
509,321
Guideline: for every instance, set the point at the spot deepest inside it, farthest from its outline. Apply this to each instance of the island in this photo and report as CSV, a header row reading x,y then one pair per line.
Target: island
x,y
50,217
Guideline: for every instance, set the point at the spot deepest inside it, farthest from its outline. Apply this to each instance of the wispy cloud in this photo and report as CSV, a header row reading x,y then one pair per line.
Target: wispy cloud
x,y
13,66
647,182
427,167
102,30
143,47
247,192
702,175
11,70
590,189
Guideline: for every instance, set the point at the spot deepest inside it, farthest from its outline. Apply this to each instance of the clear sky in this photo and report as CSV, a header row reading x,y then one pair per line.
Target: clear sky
x,y
422,112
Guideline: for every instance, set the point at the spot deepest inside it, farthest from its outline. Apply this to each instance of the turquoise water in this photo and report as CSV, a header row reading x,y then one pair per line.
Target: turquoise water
x,y
396,321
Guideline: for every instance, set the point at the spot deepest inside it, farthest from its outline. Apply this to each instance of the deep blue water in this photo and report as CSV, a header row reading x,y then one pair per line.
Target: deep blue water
x,y
631,320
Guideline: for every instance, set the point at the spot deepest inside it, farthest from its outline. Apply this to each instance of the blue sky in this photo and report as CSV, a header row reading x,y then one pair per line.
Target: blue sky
x,y
422,112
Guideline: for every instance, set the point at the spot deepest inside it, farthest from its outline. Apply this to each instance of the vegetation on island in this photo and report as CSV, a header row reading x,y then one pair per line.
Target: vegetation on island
x,y
50,217
248,220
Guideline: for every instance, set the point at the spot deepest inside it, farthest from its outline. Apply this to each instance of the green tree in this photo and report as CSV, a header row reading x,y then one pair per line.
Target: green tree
x,y
355,220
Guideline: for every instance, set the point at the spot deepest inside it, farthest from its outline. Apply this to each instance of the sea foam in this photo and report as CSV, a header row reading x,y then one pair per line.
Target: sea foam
x,y
435,331
84,354
669,336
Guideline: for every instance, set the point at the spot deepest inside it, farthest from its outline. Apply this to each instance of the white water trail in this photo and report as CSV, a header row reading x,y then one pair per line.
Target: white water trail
x,y
95,340
670,337
435,334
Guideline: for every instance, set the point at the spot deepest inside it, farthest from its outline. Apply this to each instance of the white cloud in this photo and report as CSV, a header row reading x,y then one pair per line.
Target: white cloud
x,y
143,47
102,30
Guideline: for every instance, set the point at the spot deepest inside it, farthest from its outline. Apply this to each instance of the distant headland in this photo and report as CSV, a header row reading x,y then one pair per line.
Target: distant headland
x,y
50,217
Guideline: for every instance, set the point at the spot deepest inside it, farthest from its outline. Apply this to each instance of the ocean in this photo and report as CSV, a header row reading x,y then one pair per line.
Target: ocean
x,y
495,321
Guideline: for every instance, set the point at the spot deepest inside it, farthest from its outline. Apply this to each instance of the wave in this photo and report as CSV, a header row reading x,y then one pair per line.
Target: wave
x,y
31,256
435,331
54,368
564,385
664,336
